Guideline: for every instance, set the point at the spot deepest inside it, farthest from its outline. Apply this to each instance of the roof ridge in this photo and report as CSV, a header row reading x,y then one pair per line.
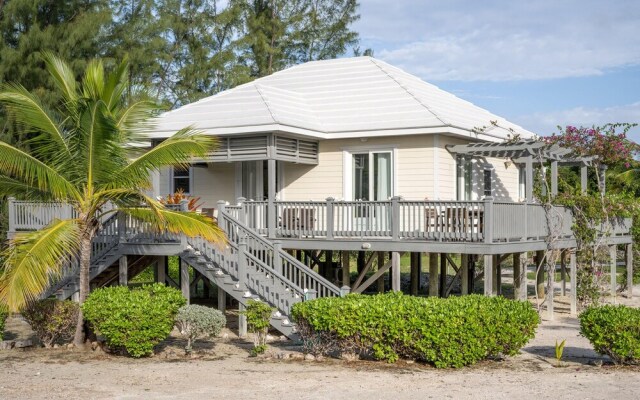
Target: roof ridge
x,y
266,102
375,62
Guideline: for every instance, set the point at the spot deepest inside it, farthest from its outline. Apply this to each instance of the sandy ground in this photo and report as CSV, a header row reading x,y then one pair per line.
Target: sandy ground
x,y
222,369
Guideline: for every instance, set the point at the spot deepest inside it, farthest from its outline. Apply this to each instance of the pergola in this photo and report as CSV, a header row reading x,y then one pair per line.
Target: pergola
x,y
526,152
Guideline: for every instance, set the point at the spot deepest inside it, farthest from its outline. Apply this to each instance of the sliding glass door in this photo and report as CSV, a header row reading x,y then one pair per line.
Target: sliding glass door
x,y
372,176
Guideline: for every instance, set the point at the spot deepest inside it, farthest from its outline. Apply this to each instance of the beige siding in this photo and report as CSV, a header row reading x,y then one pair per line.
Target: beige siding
x,y
416,176
213,183
414,165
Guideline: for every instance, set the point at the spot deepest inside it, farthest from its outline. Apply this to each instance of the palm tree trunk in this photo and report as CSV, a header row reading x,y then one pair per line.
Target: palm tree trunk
x,y
85,260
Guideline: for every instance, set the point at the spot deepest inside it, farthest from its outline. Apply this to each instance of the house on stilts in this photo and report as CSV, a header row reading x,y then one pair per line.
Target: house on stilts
x,y
344,159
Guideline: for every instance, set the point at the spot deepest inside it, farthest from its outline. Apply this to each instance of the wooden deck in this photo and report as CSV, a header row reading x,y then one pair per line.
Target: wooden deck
x,y
471,227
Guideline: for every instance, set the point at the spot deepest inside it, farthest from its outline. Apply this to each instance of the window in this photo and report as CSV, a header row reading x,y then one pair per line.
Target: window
x,y
464,179
372,176
488,182
522,183
181,180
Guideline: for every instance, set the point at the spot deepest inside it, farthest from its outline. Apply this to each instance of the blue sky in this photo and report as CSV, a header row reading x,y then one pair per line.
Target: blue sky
x,y
537,63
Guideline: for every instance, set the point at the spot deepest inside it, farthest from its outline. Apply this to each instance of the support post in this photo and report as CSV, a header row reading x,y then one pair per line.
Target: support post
x,y
495,274
161,270
395,271
488,220
613,250
518,274
184,281
529,179
554,178
222,205
551,279
563,272
488,280
242,321
433,274
443,274
415,273
380,281
464,274
573,276
583,179
629,265
271,198
328,263
346,269
123,269
540,274
222,300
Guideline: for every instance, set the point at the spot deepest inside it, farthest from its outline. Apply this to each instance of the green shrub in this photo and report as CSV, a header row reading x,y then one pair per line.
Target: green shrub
x,y
53,321
258,316
451,332
133,320
3,318
194,322
614,331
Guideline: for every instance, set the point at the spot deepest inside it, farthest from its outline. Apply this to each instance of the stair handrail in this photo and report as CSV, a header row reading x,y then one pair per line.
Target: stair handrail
x,y
329,288
73,266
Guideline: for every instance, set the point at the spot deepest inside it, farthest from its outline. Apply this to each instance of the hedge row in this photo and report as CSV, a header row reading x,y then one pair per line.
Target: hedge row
x,y
451,332
3,318
613,331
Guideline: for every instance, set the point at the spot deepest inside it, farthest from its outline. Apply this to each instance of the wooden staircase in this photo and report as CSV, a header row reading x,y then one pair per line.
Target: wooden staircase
x,y
248,267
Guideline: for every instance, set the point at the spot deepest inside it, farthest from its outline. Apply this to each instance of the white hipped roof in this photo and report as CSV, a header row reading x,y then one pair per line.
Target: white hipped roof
x,y
340,98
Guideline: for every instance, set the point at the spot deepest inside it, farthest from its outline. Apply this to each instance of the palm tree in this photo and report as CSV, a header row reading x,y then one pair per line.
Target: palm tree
x,y
86,153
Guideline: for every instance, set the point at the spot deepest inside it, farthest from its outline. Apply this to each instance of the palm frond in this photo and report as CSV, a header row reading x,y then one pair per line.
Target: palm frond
x,y
137,114
178,150
116,85
93,80
30,112
188,223
62,75
25,168
13,188
33,258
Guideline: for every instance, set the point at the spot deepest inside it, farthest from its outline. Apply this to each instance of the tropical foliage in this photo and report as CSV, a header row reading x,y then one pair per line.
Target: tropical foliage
x,y
614,331
446,332
133,321
53,321
85,153
195,322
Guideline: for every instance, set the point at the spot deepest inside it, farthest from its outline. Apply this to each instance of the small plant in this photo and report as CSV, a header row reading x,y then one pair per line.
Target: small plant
x,y
199,322
559,351
193,203
258,316
133,320
53,321
613,331
3,318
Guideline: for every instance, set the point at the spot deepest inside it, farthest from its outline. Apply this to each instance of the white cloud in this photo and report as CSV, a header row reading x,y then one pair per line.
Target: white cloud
x,y
546,123
500,40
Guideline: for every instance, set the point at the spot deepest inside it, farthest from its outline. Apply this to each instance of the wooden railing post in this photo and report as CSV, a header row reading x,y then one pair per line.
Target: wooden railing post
x,y
310,294
221,209
12,216
344,290
242,263
122,226
241,212
395,218
488,219
330,201
184,205
277,259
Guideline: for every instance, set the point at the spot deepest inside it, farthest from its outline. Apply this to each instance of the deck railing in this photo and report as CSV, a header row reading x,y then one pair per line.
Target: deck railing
x,y
485,221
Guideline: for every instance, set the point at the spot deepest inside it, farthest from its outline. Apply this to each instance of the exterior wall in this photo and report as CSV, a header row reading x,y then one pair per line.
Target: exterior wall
x,y
213,183
424,169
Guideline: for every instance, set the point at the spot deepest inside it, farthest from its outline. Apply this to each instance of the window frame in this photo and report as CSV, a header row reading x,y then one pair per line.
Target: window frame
x,y
189,177
348,163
